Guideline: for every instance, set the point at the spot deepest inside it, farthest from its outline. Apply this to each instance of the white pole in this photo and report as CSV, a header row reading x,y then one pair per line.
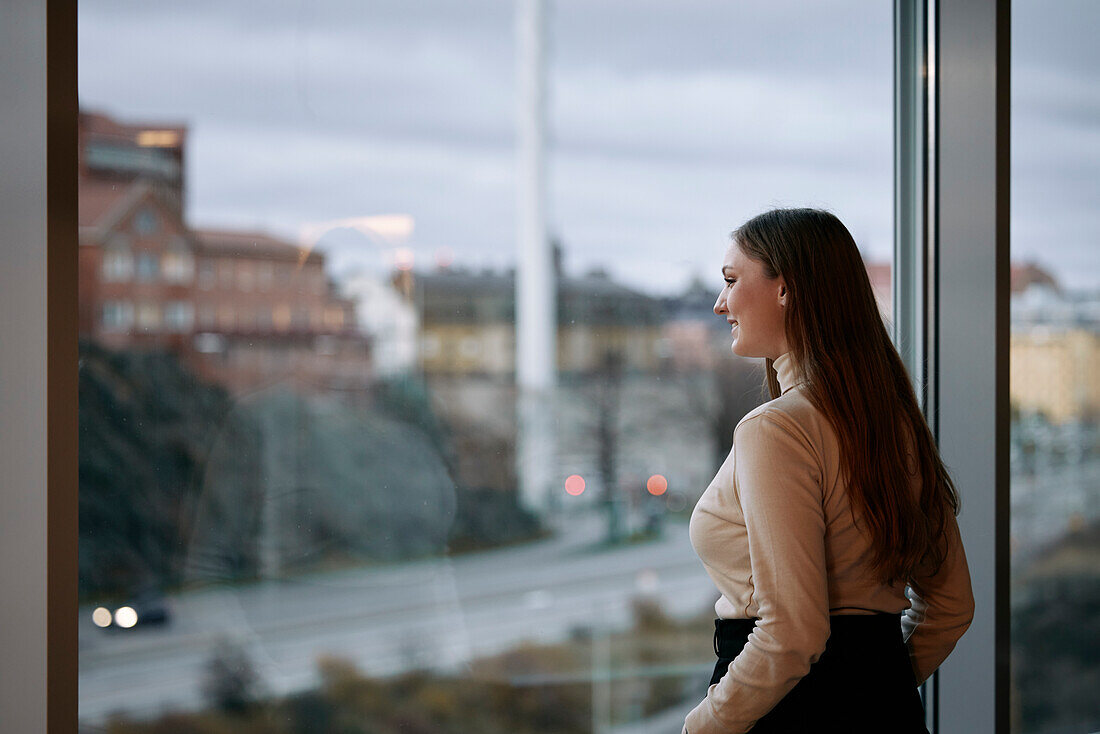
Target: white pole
x,y
536,309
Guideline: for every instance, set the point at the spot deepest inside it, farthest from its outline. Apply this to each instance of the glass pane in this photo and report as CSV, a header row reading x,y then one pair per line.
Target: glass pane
x,y
299,503
1055,368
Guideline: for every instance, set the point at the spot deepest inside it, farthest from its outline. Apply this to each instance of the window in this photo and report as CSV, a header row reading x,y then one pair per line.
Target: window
x,y
225,274
246,276
300,317
266,275
1054,370
177,265
207,275
146,222
178,316
24,130
334,318
117,316
429,346
280,316
288,465
148,316
284,273
148,266
469,347
118,261
207,343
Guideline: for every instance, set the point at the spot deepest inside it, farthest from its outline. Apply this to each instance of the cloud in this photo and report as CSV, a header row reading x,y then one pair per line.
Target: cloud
x,y
669,122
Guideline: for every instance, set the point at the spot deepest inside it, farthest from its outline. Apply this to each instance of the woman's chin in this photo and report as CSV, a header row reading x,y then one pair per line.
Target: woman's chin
x,y
738,351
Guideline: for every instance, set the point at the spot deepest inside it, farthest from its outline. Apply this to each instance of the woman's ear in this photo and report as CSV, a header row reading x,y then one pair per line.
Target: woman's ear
x,y
782,293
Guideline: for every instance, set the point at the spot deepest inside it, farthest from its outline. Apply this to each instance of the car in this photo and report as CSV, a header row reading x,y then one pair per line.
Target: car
x,y
146,607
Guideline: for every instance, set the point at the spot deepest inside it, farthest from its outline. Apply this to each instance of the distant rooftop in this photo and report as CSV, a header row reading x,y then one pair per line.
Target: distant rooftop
x,y
251,244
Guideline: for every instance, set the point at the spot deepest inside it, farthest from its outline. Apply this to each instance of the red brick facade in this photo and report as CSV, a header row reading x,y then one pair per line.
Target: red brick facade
x,y
242,308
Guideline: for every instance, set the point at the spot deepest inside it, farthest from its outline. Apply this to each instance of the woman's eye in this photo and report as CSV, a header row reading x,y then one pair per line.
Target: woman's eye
x,y
730,281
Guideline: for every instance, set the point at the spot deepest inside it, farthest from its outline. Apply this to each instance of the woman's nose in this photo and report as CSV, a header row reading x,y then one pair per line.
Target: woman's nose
x,y
719,305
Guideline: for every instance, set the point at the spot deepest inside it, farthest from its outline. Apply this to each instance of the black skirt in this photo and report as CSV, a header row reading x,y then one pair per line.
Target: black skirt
x,y
862,683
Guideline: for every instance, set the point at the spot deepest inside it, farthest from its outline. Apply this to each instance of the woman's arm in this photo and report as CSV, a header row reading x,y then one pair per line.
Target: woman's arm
x,y
940,614
778,482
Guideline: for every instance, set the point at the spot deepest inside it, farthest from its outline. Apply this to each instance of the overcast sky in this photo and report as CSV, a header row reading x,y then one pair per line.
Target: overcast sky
x,y
670,122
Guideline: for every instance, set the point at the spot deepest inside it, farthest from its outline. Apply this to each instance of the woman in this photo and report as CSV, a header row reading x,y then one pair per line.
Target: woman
x,y
832,501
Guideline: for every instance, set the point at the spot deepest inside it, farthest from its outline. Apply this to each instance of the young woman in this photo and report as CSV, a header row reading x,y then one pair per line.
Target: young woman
x,y
832,502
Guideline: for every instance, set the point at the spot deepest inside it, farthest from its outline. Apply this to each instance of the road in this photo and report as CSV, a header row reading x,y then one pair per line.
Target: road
x,y
442,612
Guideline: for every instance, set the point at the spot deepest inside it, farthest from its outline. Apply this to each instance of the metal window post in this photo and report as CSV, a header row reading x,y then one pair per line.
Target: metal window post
x,y
38,366
951,305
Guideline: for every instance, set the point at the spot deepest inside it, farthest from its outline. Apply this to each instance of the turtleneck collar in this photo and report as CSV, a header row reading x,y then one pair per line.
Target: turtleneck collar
x,y
787,372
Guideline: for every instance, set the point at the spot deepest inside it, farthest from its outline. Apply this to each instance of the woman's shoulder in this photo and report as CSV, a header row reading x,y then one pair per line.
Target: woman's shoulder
x,y
792,410
791,413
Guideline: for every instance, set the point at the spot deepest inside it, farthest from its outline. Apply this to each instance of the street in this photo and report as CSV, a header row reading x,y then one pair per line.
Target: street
x,y
438,613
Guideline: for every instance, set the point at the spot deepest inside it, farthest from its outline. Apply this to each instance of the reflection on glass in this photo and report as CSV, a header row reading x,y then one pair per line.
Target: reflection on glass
x,y
298,481
1055,370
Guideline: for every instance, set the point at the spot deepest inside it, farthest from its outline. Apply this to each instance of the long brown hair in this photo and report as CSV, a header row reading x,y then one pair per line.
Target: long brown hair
x,y
855,377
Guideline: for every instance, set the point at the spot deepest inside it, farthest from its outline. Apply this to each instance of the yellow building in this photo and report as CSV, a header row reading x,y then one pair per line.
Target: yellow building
x,y
467,324
1055,371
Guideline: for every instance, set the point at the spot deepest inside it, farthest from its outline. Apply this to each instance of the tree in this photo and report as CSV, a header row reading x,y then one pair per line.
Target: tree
x,y
608,387
230,682
723,395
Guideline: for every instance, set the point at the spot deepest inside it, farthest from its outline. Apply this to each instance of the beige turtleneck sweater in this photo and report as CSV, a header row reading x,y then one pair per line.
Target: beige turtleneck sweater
x,y
774,531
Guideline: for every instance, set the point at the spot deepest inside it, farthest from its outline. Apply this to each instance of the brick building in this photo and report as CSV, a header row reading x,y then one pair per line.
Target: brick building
x,y
242,308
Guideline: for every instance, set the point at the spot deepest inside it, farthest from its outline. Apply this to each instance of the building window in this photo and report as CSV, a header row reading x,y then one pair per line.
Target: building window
x,y
334,318
429,346
246,276
118,262
148,266
146,222
280,315
207,343
178,316
177,265
117,316
225,274
469,347
265,275
284,272
148,316
207,275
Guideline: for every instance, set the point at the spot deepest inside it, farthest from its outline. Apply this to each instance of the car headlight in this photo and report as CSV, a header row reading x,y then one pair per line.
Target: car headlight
x,y
126,617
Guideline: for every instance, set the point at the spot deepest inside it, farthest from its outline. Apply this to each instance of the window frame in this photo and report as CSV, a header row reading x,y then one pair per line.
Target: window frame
x,y
951,307
38,392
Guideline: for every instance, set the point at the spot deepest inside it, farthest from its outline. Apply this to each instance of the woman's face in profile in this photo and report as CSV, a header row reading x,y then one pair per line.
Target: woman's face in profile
x,y
753,304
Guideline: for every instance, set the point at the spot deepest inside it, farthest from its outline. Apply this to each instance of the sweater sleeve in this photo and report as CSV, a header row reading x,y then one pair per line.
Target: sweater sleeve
x,y
778,481
938,616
